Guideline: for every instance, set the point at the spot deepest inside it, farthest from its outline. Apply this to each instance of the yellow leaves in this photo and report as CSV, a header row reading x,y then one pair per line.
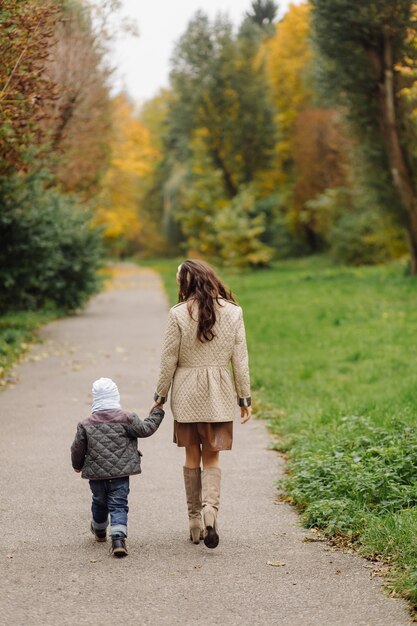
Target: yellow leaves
x,y
132,150
287,56
133,157
120,221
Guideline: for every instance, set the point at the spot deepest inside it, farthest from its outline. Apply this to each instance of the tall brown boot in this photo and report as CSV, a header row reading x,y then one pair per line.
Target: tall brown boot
x,y
210,479
192,482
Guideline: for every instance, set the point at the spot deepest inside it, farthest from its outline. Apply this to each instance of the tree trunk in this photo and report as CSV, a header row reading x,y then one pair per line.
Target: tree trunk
x,y
66,115
231,188
400,171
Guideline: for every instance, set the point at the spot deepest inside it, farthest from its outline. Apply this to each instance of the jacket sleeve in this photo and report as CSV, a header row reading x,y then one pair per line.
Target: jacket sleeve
x,y
79,448
240,363
146,427
169,358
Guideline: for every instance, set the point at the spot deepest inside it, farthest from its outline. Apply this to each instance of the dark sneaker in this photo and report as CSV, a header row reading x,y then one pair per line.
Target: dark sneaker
x,y
100,535
118,546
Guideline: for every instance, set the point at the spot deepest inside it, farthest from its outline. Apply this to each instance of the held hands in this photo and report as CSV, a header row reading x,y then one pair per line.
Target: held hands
x,y
155,405
245,414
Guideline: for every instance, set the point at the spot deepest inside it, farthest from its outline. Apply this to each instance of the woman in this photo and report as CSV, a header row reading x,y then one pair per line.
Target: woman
x,y
204,334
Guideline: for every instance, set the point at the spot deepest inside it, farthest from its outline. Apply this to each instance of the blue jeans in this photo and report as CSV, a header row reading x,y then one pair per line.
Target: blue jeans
x,y
110,496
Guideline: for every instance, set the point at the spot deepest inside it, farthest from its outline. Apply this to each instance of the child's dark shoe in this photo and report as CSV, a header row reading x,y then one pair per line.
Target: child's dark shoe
x,y
118,546
100,535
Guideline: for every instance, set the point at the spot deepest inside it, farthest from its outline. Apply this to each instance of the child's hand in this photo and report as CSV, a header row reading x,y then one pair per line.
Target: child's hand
x,y
78,471
245,414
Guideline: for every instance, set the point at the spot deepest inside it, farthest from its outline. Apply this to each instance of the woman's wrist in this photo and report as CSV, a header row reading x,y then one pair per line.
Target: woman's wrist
x,y
247,401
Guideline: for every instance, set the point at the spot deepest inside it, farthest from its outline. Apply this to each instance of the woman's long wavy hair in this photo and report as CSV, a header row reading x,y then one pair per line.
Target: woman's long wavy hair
x,y
198,283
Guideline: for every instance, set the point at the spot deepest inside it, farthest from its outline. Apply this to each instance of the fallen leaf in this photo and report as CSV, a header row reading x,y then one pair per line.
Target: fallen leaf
x,y
276,563
93,560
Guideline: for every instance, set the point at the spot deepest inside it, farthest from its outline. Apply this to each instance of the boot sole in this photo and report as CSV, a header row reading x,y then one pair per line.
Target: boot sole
x,y
119,553
211,540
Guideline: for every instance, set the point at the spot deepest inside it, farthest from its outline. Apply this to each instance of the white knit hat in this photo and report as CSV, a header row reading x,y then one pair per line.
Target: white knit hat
x,y
105,395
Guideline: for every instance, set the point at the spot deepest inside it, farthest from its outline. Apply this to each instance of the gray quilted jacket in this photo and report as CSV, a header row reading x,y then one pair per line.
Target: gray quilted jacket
x,y
105,445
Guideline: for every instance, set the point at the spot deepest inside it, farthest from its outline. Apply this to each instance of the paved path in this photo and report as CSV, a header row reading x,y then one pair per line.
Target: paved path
x,y
53,573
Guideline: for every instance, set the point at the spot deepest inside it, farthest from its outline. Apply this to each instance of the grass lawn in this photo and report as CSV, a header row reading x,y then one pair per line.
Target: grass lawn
x,y
334,369
17,330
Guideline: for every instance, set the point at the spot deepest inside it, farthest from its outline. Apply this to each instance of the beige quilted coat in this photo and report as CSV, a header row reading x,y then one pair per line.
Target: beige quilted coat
x,y
202,387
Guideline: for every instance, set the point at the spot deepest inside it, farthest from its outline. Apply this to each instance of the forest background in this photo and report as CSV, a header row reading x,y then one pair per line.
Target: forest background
x,y
278,139
283,151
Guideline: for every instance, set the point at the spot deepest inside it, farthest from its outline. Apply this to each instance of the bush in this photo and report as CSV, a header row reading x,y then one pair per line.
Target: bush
x,y
238,233
356,229
279,233
49,253
365,239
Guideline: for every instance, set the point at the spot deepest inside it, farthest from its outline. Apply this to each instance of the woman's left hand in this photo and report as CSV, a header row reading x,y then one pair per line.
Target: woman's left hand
x,y
156,404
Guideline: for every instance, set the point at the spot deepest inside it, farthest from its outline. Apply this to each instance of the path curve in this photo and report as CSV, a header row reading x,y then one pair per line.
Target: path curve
x,y
53,573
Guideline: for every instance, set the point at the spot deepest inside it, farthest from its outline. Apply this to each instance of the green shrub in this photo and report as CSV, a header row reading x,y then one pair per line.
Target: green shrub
x,y
355,228
49,253
365,239
238,233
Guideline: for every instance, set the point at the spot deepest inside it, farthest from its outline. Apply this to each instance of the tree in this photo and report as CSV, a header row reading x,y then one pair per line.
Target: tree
x,y
54,92
263,12
219,85
79,122
289,56
159,189
220,136
27,31
320,153
311,150
369,59
132,158
214,226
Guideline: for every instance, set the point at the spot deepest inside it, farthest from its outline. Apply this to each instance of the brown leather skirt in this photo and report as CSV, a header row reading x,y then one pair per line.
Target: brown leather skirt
x,y
215,436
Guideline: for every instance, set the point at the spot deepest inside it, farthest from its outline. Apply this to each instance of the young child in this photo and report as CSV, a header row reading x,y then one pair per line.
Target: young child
x,y
105,449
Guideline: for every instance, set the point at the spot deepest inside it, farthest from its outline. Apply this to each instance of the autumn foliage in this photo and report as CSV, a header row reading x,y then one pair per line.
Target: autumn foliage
x,y
27,33
55,121
263,146
132,159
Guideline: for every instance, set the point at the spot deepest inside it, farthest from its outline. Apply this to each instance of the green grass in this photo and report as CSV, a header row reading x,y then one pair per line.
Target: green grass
x,y
17,330
334,368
